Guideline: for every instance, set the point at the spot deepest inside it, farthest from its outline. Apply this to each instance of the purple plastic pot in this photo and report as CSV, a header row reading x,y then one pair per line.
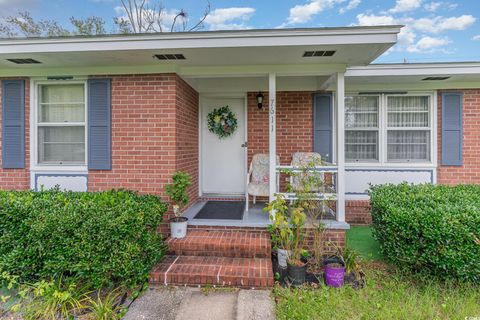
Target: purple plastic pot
x,y
334,276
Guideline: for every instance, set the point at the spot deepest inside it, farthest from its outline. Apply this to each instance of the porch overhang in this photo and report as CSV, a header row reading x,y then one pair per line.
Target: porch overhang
x,y
213,53
413,76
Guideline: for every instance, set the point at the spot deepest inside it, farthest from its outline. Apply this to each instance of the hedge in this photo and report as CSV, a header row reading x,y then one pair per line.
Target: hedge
x,y
429,229
102,238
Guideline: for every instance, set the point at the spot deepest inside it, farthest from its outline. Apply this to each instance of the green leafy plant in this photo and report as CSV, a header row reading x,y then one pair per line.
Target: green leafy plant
x,y
9,296
100,238
51,300
280,228
177,191
350,259
297,235
308,183
105,306
430,230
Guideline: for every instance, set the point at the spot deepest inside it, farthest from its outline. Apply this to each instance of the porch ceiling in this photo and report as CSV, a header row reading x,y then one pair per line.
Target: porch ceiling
x,y
353,46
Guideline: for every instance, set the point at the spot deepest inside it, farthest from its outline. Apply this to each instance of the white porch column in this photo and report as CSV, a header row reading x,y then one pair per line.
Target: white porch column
x,y
340,103
272,133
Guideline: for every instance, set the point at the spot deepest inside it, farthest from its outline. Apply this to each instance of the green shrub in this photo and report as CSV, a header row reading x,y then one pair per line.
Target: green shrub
x,y
103,238
429,229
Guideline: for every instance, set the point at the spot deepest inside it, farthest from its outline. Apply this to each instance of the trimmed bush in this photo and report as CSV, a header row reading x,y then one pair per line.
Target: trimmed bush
x,y
102,238
429,229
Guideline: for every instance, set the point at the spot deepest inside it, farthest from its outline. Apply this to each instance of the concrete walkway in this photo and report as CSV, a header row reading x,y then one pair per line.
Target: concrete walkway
x,y
167,303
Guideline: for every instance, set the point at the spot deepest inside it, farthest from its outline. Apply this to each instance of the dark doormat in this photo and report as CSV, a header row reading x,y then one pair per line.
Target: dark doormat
x,y
225,210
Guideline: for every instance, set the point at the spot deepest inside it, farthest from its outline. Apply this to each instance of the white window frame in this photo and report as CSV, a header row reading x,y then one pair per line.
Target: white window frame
x,y
34,109
387,128
377,129
382,141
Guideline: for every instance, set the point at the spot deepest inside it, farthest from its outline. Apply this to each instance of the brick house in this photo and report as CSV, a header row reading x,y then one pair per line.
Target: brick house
x,y
94,113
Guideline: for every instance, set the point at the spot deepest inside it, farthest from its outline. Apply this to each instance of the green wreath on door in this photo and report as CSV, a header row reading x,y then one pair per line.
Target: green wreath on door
x,y
222,122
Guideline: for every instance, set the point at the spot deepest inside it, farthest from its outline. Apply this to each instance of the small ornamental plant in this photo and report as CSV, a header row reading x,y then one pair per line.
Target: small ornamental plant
x,y
177,191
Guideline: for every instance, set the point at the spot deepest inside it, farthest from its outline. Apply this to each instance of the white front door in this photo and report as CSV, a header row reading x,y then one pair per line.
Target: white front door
x,y
223,161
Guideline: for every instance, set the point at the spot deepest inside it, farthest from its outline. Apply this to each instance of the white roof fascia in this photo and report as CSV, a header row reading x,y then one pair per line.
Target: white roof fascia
x,y
215,39
453,68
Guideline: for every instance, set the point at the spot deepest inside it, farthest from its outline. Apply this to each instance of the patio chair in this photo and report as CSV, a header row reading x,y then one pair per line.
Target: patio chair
x,y
302,159
258,177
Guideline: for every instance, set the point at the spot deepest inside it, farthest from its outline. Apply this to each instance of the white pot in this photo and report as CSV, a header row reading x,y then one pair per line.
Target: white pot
x,y
282,255
178,229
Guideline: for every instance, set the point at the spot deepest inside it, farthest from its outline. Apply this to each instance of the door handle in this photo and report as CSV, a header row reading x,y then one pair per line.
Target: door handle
x,y
245,145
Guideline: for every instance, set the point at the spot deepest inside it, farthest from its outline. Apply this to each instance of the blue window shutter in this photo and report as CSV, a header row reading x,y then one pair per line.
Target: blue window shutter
x,y
323,126
13,124
99,125
452,129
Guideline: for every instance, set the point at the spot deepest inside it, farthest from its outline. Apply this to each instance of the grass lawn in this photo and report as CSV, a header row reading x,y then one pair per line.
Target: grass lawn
x,y
387,295
361,240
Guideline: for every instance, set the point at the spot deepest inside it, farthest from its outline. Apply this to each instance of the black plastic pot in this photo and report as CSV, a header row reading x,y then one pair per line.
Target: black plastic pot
x,y
282,274
329,260
313,278
178,219
296,274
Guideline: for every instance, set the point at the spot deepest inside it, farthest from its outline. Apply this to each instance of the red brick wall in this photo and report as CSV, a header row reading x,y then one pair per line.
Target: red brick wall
x,y
17,179
332,238
154,134
143,134
357,212
294,124
148,113
187,133
469,172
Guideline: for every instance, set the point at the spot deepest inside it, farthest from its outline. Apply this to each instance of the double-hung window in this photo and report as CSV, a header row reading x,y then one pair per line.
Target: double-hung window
x,y
388,128
362,127
61,121
408,128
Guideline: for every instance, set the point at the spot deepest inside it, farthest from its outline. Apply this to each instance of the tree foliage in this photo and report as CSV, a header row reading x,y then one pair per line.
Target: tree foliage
x,y
24,25
140,16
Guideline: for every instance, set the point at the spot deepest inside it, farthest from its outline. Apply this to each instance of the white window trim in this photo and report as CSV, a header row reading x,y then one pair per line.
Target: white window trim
x,y
382,162
377,129
34,103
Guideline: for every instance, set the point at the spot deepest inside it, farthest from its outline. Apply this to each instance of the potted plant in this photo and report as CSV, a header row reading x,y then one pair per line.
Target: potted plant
x,y
342,267
353,271
296,265
177,192
334,273
280,230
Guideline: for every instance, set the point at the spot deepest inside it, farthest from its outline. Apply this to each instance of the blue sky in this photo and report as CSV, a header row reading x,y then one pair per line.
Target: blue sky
x,y
436,30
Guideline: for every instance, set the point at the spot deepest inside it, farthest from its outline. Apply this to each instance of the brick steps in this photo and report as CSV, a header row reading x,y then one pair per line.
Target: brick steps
x,y
218,271
218,258
222,244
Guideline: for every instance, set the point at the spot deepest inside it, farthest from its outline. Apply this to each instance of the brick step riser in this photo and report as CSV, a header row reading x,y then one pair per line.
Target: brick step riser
x,y
221,251
198,280
222,244
236,254
213,271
